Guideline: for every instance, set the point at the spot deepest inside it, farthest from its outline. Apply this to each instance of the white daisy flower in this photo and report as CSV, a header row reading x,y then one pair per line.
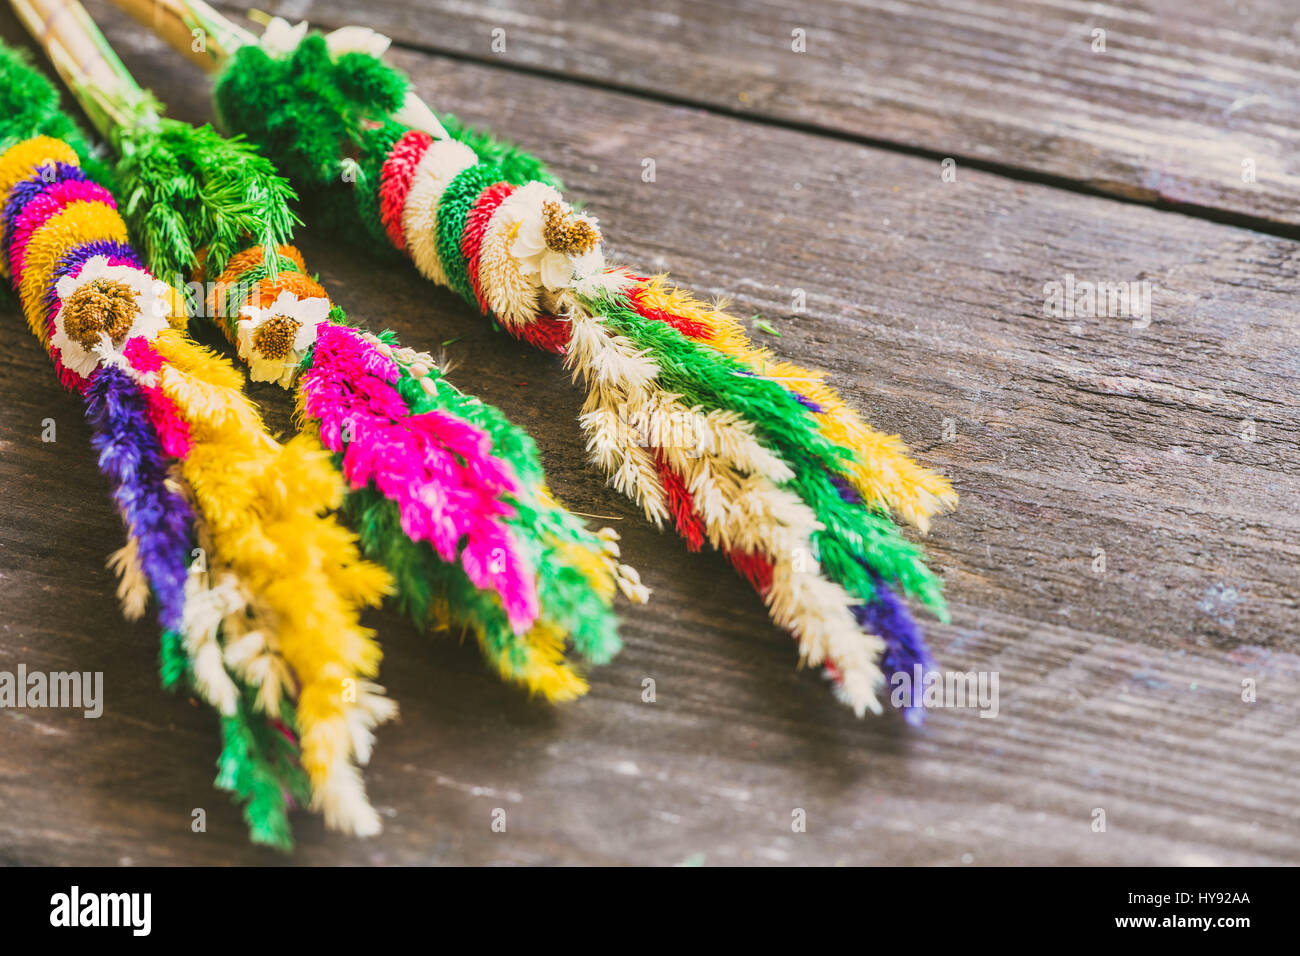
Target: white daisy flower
x,y
101,308
273,340
555,244
281,37
356,40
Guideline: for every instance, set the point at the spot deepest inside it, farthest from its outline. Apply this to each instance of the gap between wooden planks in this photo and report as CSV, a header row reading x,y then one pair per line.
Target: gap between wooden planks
x,y
1171,103
1120,691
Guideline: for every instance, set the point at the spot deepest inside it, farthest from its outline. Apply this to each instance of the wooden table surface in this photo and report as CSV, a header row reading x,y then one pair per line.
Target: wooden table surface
x,y
1170,157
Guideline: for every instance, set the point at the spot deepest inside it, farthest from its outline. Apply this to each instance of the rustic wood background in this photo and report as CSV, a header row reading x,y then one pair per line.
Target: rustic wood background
x,y
820,170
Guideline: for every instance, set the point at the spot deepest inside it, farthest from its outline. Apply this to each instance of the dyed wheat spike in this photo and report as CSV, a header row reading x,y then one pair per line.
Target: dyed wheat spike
x,y
684,415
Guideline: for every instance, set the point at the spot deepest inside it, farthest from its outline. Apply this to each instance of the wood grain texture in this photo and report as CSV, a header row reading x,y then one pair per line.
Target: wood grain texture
x,y
1120,691
1182,95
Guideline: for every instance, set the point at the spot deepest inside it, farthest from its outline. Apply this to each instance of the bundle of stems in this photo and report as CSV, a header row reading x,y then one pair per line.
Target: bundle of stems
x,y
250,581
442,490
706,431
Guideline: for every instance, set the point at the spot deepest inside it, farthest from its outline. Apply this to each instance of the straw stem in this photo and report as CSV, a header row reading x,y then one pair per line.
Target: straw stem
x,y
87,64
192,28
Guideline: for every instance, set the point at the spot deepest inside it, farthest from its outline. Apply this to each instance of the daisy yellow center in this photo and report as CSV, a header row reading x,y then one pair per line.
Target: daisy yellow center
x,y
565,232
273,339
101,306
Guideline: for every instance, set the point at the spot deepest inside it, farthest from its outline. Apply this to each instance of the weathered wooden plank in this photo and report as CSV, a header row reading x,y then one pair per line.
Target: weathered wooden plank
x,y
1181,97
1120,690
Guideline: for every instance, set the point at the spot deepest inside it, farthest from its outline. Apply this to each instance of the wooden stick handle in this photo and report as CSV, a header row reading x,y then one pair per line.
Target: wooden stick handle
x,y
83,59
190,27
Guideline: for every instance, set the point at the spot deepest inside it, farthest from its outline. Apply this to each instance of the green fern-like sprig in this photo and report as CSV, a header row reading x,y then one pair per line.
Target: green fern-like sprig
x,y
187,187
